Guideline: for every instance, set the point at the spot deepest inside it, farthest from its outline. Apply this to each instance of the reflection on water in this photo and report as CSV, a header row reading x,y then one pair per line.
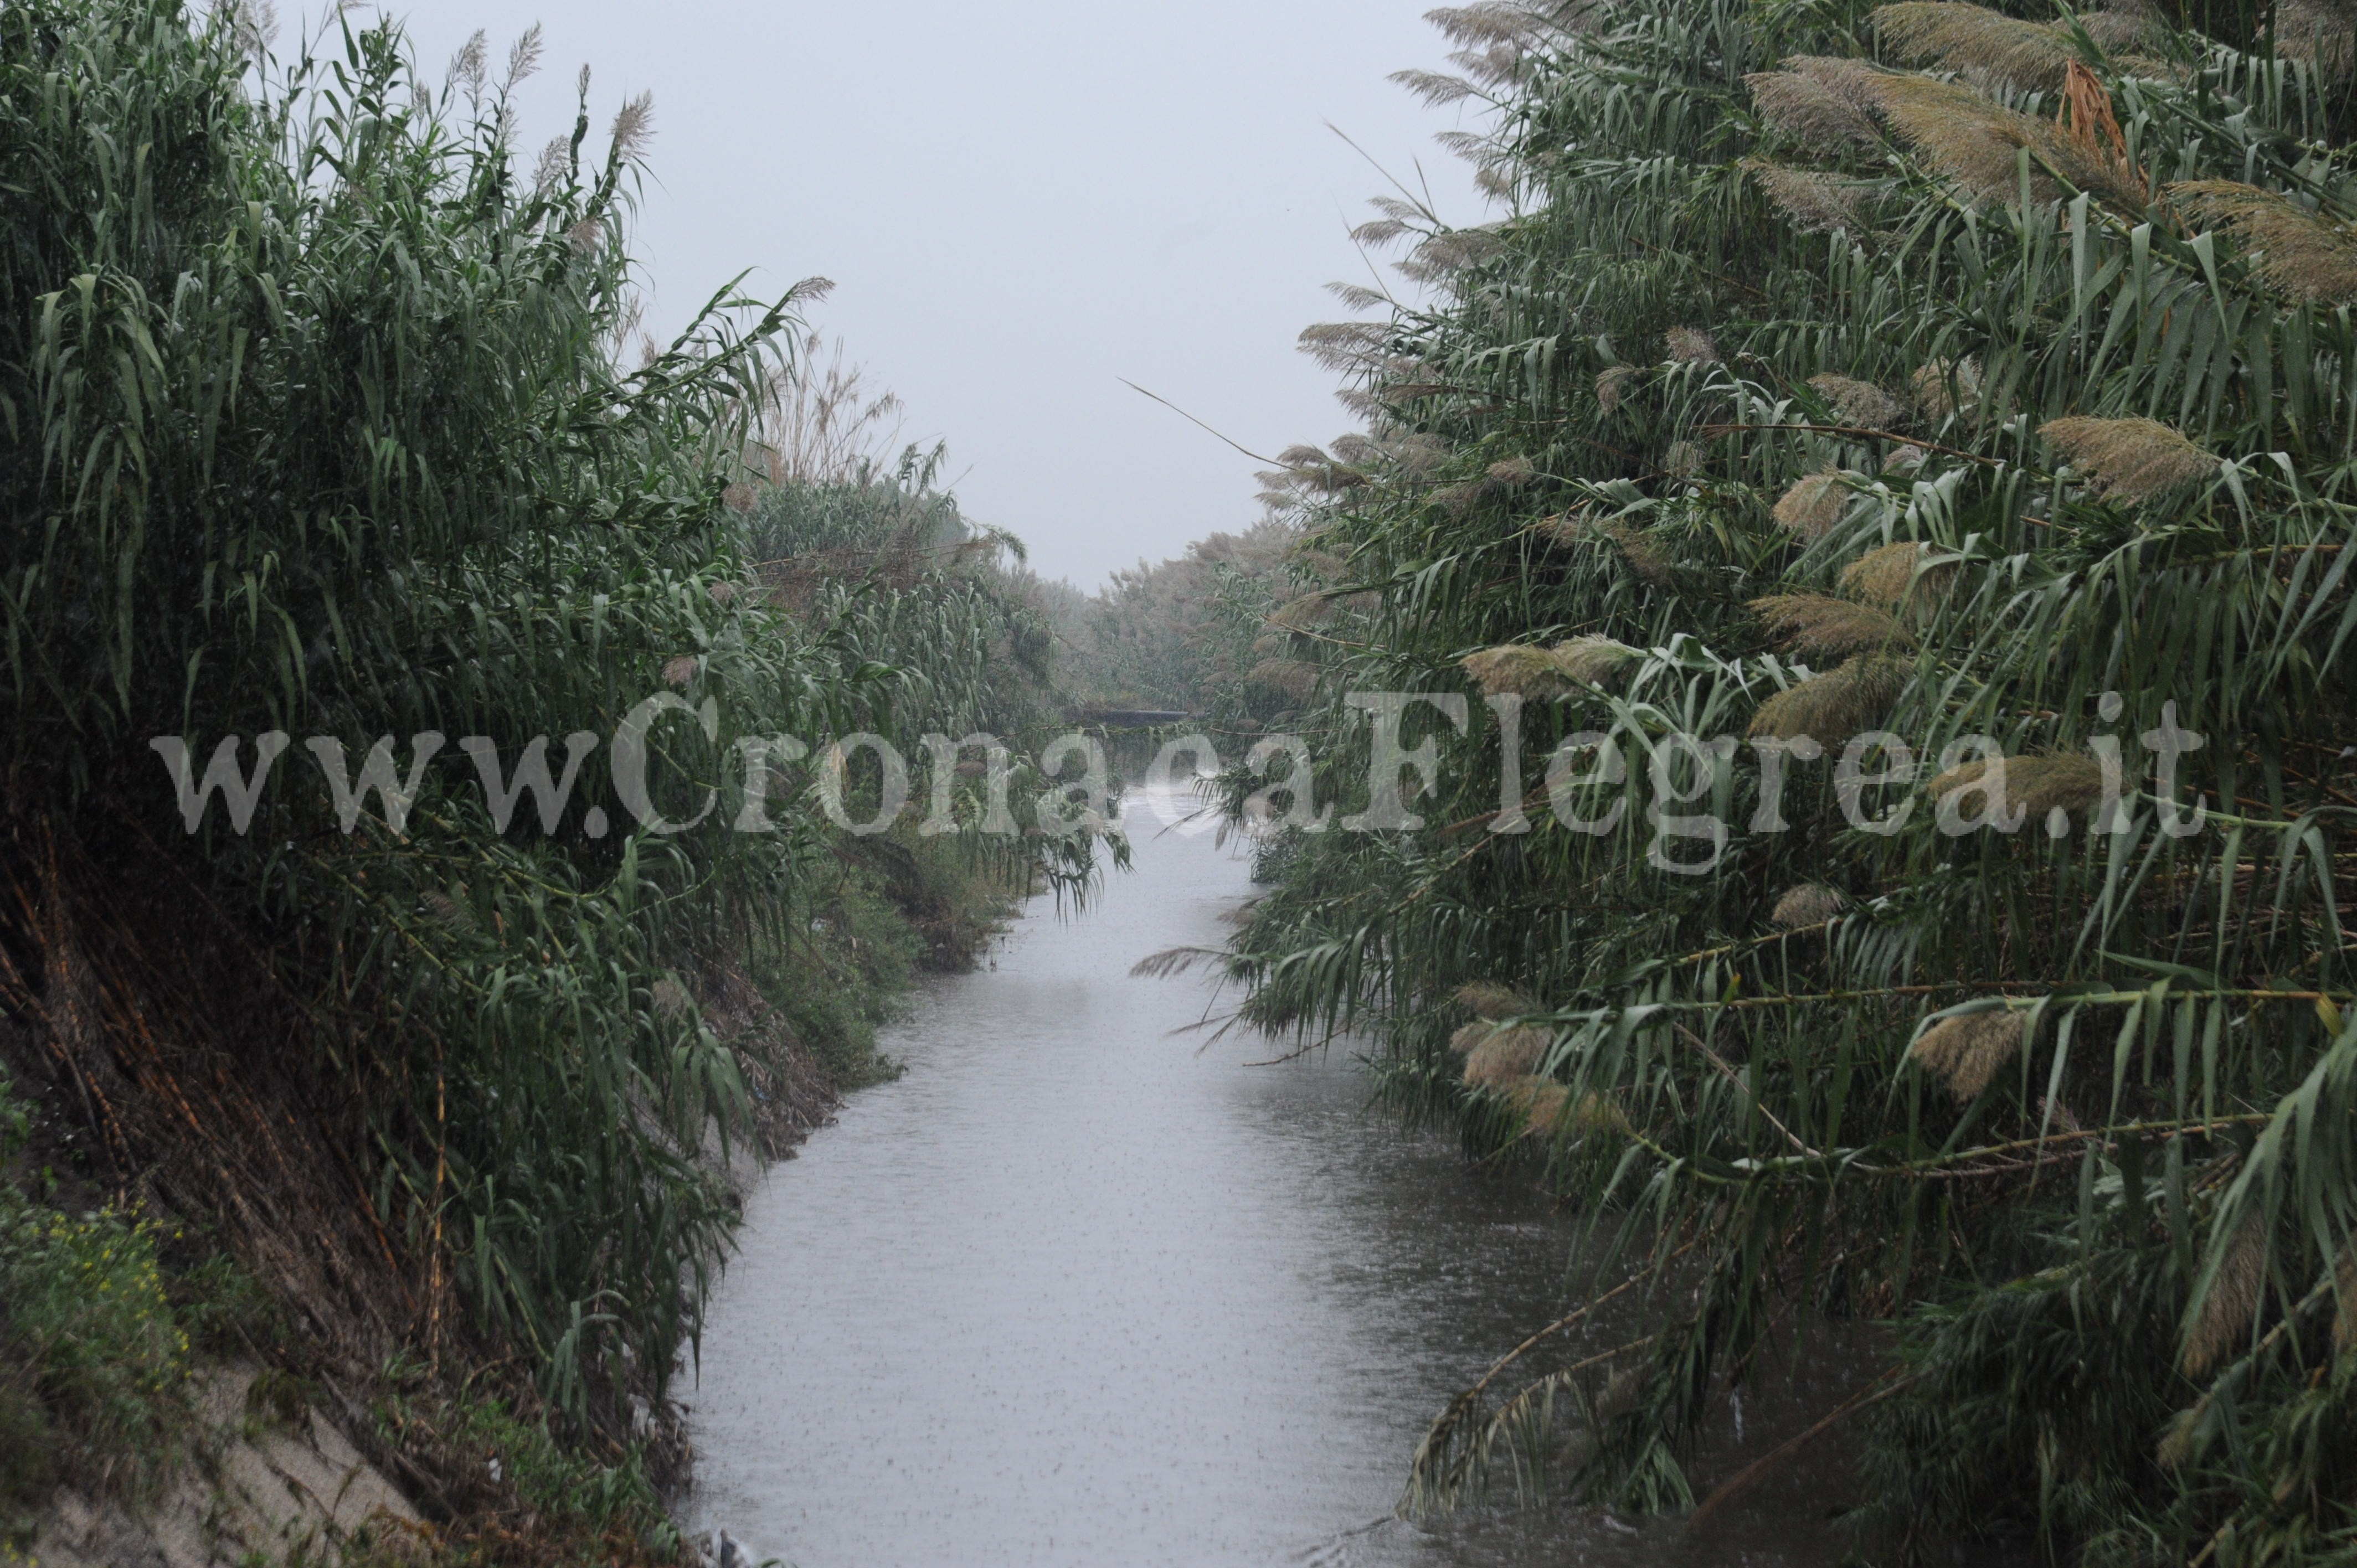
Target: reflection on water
x,y
1081,1290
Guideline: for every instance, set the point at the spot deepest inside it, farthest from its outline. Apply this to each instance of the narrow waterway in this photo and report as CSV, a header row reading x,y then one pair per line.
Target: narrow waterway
x,y
1081,1289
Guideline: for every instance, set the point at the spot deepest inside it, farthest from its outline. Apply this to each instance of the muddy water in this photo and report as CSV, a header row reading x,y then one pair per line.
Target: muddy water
x,y
1081,1289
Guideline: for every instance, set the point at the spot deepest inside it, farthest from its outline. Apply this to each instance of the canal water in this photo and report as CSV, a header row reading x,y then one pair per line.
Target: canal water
x,y
1082,1288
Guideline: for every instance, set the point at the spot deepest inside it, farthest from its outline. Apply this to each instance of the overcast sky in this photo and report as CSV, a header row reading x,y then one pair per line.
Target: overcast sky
x,y
1021,203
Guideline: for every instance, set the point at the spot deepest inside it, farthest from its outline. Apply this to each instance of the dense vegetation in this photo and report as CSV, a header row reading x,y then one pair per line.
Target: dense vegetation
x,y
1945,370
320,415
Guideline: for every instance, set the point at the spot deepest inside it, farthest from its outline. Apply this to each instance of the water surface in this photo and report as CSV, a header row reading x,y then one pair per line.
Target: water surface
x,y
1080,1288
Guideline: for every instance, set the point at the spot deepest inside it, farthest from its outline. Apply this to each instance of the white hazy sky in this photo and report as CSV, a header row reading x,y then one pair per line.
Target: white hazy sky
x,y
1021,203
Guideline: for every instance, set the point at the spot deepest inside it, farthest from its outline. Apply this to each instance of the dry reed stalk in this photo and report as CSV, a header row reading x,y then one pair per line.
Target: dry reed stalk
x,y
1965,1052
1813,504
2233,1302
1818,626
2130,459
2295,251
1858,402
1833,706
1811,904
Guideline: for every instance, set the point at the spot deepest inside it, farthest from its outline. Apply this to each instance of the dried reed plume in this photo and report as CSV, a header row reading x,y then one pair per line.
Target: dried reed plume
x,y
1512,470
2027,57
1490,1000
2320,33
2131,459
1609,383
1966,1051
1812,203
1977,143
634,126
1289,678
1500,1055
2038,784
1943,387
1542,1103
1809,111
1809,904
1523,668
1530,671
1682,460
1813,504
1594,660
1854,82
1835,705
1644,557
1820,627
2294,253
1690,346
2123,27
1858,402
2233,1302
670,997
680,669
1886,575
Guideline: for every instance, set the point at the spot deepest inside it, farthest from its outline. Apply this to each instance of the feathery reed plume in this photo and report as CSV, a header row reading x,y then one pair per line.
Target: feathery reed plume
x,y
1609,383
1904,459
1833,706
1813,504
2027,57
2130,459
1809,904
634,126
2124,26
1977,144
670,997
1302,612
1502,1055
1289,678
1854,82
1886,575
2321,34
1594,660
1808,111
1512,470
1859,403
2232,1303
1523,668
1818,626
1682,460
1644,557
1542,1103
1490,1000
680,669
1690,346
2295,251
2038,784
1812,203
1944,387
1966,1051
448,912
